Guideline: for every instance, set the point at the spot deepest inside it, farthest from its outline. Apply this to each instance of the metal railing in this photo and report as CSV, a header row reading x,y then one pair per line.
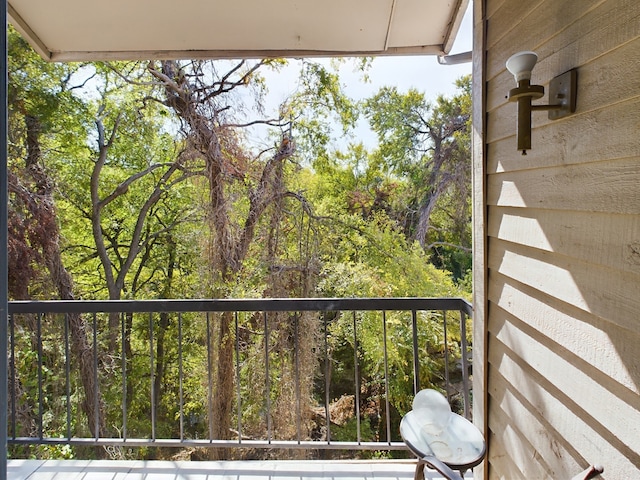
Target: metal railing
x,y
149,373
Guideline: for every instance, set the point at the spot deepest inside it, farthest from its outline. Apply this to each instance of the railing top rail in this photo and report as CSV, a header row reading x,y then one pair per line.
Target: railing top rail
x,y
240,305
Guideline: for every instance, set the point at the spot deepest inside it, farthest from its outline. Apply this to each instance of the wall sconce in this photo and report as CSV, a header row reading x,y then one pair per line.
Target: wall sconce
x,y
562,91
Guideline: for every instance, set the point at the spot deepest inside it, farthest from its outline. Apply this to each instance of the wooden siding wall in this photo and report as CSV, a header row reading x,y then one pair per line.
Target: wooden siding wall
x,y
562,241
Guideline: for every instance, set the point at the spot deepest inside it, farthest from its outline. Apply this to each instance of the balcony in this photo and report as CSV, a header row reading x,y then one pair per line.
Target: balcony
x,y
74,386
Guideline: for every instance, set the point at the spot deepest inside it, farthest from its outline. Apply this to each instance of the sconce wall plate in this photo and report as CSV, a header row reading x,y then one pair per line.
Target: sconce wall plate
x,y
562,91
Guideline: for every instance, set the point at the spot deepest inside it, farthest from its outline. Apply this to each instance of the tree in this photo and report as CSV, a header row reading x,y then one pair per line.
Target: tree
x,y
245,190
155,171
199,97
38,91
429,145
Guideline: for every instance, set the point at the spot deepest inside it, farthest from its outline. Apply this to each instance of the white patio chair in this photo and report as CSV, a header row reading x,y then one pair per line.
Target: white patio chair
x,y
446,442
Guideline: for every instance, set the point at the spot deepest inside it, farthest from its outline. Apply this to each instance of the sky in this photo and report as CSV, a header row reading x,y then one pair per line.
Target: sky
x,y
423,73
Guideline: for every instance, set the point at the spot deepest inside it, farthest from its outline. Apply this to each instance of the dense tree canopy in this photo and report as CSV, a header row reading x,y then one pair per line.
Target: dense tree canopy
x,y
144,180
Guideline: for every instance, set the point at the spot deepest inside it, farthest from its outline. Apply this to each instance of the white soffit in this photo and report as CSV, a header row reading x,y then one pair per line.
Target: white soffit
x,y
75,30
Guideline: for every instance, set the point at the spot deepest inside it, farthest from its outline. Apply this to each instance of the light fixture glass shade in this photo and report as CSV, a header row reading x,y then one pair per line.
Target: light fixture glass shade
x,y
520,65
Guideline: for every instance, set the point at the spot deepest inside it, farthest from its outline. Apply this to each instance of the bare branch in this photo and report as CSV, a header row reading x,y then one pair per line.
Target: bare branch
x,y
124,186
129,81
166,81
83,84
447,244
230,72
272,122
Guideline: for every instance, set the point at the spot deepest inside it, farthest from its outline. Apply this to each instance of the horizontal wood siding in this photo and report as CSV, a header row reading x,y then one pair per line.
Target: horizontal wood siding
x,y
562,236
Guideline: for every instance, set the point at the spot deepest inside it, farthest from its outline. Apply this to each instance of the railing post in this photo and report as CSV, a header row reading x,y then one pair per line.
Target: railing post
x,y
4,241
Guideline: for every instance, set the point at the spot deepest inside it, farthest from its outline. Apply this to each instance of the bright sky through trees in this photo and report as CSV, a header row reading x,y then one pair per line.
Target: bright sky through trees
x,y
423,73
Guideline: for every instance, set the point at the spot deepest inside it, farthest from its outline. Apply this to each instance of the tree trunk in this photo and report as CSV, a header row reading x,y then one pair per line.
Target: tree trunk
x,y
92,404
224,377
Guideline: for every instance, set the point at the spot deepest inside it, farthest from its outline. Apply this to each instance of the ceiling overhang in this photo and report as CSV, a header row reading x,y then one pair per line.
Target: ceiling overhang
x,y
84,30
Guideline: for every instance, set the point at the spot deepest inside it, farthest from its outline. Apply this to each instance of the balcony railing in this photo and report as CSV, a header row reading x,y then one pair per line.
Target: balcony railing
x,y
140,373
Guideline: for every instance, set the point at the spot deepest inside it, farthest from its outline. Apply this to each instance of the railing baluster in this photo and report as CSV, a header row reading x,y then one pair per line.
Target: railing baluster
x,y
387,407
96,386
40,392
67,373
416,354
296,353
12,384
180,376
267,381
209,378
356,376
446,356
327,379
152,376
123,335
465,365
238,381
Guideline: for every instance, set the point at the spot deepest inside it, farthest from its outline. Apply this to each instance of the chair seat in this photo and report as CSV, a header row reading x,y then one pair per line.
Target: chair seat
x,y
445,441
441,439
461,445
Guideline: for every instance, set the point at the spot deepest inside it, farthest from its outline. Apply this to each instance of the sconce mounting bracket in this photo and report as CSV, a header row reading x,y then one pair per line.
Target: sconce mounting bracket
x,y
524,90
562,92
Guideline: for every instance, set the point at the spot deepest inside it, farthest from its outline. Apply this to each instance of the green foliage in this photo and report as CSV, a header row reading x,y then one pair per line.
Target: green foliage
x,y
349,431
344,225
427,146
318,109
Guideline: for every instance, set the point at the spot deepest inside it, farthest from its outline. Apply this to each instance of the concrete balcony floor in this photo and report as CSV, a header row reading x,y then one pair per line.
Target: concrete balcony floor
x,y
231,470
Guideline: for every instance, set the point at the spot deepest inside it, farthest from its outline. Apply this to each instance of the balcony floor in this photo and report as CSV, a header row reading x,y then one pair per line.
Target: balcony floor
x,y
246,470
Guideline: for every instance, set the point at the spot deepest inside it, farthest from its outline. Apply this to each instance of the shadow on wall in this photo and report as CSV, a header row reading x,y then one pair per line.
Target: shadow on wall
x,y
565,338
